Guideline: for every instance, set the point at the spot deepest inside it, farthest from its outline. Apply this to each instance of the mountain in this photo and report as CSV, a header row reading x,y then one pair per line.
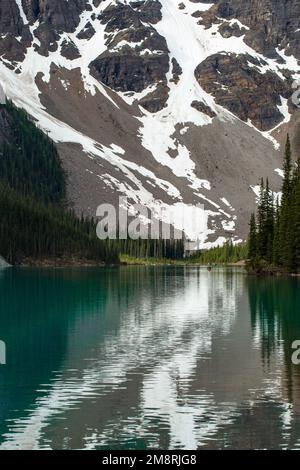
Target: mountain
x,y
170,103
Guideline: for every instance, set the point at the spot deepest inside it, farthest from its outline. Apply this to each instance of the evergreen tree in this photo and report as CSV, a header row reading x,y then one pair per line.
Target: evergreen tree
x,y
252,241
269,222
287,172
285,229
276,240
294,250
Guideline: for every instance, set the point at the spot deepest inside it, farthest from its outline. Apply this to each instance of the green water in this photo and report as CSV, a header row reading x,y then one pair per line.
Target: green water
x,y
142,357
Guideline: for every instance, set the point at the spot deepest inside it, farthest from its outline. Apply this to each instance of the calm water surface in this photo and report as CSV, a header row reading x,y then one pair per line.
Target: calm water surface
x,y
137,357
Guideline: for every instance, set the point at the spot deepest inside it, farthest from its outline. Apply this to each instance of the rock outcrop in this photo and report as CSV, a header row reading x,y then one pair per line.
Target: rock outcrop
x,y
270,24
55,17
137,57
238,85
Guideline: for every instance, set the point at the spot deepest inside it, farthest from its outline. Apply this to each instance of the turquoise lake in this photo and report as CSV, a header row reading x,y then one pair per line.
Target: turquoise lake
x,y
148,358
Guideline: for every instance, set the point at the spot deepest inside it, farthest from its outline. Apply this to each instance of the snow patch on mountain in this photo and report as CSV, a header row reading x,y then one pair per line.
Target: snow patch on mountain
x,y
280,172
257,191
22,14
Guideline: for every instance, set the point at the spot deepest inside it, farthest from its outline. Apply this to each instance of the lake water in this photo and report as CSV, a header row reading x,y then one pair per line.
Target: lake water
x,y
148,357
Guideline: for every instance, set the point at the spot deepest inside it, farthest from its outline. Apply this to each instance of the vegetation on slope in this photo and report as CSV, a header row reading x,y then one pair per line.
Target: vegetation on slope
x,y
29,161
34,221
152,249
227,254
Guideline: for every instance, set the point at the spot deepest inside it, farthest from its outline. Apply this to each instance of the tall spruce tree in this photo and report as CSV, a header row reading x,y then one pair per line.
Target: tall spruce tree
x,y
252,242
261,218
295,220
287,171
276,239
285,229
269,222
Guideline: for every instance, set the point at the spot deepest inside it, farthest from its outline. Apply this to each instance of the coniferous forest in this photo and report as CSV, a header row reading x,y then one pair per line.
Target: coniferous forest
x,y
226,254
274,238
35,221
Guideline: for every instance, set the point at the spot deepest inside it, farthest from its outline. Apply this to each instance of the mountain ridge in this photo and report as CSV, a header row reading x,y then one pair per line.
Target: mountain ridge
x,y
169,103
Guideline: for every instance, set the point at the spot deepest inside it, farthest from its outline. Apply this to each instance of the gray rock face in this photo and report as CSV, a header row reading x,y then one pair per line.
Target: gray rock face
x,y
141,60
203,108
69,50
128,71
55,17
271,23
237,84
11,28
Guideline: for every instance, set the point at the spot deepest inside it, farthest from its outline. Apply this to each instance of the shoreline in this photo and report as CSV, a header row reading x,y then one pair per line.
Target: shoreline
x,y
77,262
271,272
127,261
74,262
64,262
82,263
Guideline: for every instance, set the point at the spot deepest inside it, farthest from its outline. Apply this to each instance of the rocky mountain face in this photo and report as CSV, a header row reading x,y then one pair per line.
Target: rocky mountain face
x,y
266,24
181,105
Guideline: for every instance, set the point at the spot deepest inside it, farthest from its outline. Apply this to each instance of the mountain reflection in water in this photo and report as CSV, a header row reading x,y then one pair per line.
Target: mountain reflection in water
x,y
148,357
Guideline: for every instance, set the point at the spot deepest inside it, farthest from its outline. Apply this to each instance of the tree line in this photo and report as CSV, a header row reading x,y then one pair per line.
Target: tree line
x,y
29,229
157,249
35,221
274,238
228,253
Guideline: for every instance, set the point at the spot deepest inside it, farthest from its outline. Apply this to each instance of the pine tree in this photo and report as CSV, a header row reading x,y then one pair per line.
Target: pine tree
x,y
285,230
252,243
276,239
269,223
261,218
294,262
287,172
